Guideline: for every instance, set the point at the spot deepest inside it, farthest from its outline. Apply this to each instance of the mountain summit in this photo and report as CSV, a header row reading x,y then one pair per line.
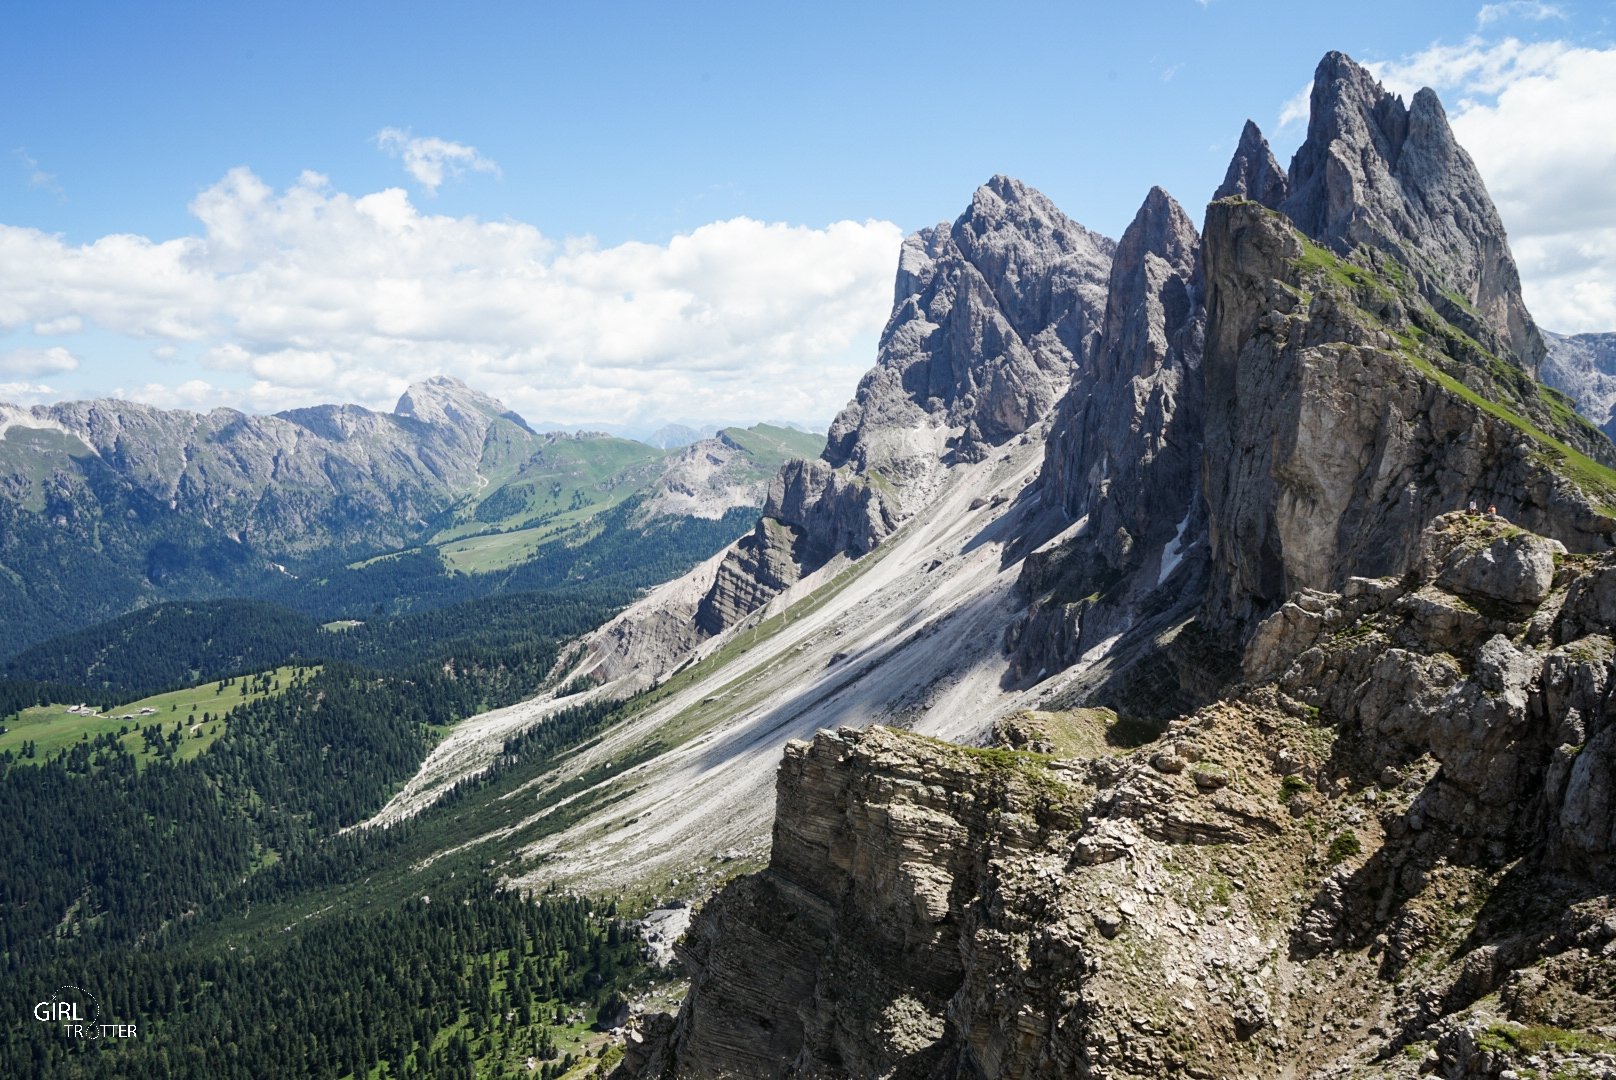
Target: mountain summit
x,y
444,399
1375,172
1253,173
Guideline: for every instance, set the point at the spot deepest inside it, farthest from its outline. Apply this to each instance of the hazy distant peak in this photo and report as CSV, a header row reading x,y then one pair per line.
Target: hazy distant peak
x,y
444,399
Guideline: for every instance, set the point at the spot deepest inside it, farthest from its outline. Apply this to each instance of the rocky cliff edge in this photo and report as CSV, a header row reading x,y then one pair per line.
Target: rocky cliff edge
x,y
1388,853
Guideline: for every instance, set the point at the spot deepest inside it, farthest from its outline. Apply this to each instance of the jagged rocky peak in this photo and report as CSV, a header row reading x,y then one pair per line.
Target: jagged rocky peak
x,y
1253,172
1375,172
1120,484
990,317
1124,441
1047,271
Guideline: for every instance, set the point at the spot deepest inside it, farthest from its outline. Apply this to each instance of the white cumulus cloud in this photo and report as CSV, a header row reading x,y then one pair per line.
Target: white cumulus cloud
x,y
18,393
31,363
67,324
312,294
431,160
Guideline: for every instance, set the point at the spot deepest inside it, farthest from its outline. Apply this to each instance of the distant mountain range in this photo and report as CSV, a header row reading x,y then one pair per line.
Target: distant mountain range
x,y
107,505
1583,366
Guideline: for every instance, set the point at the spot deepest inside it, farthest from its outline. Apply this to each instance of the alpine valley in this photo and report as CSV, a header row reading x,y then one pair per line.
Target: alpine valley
x,y
1191,654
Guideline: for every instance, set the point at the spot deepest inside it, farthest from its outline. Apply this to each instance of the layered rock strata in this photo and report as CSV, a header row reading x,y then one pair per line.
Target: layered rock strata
x,y
1389,854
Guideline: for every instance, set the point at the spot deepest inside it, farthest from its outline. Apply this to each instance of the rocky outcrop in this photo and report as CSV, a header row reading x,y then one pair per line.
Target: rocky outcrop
x,y
877,835
989,320
1253,173
1123,458
1389,854
1583,367
991,317
812,513
1339,422
1377,173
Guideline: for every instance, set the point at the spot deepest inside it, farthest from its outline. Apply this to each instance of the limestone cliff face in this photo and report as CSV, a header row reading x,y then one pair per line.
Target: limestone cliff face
x,y
1377,173
991,318
1366,367
812,512
1125,449
1344,413
1391,853
1122,463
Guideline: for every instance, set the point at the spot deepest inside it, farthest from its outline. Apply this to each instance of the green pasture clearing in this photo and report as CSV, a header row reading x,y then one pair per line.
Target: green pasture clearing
x,y
53,730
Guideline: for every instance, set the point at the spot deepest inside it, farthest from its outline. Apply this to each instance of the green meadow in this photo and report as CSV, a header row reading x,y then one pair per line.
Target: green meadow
x,y
53,729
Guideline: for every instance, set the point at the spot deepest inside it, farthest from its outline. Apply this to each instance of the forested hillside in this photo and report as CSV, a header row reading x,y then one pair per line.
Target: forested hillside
x,y
215,904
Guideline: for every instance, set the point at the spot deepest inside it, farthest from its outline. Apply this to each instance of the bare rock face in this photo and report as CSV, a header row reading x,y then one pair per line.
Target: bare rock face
x,y
1123,459
990,319
711,475
1516,568
812,513
1391,854
1253,173
877,834
1126,445
1377,173
1583,367
1125,448
1338,424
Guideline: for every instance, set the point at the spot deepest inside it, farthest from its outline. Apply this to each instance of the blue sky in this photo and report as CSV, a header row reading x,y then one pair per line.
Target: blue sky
x,y
623,213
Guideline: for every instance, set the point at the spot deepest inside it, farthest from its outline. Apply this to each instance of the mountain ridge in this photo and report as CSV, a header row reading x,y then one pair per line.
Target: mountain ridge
x,y
140,504
1083,590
